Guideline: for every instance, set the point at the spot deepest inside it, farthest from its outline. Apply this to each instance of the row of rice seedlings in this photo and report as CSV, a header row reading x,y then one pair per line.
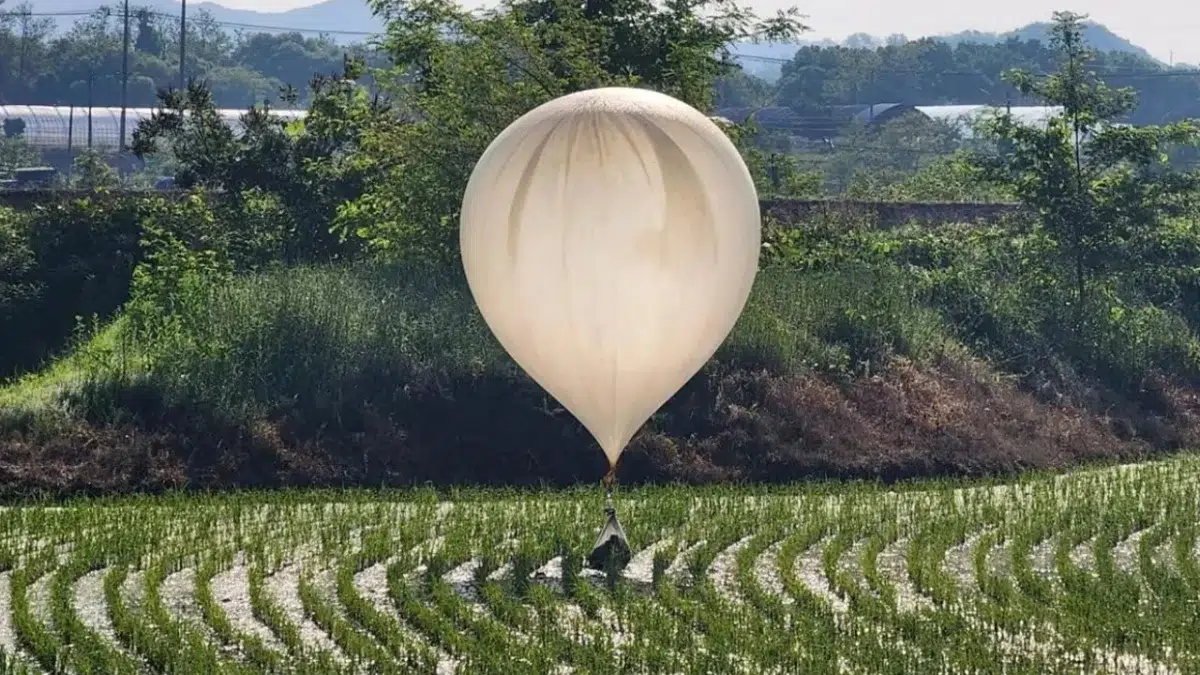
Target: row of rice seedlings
x,y
1107,605
32,635
267,611
871,638
1186,554
886,534
178,647
251,646
360,647
378,547
736,635
543,650
925,555
409,606
88,651
1031,605
1175,609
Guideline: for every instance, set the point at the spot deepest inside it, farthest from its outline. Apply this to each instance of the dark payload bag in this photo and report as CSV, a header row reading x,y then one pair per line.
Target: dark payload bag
x,y
612,543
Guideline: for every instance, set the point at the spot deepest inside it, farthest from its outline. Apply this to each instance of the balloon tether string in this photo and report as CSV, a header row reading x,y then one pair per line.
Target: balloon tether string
x,y
609,479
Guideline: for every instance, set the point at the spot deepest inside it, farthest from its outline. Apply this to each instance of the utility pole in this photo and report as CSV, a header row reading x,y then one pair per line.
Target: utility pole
x,y
25,18
91,84
182,44
124,78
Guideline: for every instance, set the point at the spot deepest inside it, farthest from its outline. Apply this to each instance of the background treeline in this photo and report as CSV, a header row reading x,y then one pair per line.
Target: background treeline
x,y
50,60
934,72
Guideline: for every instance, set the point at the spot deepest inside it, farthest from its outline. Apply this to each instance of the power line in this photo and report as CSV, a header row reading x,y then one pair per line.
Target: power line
x,y
19,14
282,29
1116,71
166,15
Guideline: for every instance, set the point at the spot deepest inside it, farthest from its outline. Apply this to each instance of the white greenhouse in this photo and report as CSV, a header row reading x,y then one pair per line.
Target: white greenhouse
x,y
964,117
60,127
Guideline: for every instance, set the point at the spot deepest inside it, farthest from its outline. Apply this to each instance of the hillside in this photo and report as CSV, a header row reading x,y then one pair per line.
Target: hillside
x,y
1098,37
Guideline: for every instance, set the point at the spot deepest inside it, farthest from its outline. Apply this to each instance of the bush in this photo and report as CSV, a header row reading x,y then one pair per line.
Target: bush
x,y
846,320
63,263
73,261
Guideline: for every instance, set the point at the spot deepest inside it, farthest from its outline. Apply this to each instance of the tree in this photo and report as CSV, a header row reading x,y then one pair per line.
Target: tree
x,y
1098,186
740,89
14,127
931,71
148,39
867,157
309,167
92,172
456,94
16,153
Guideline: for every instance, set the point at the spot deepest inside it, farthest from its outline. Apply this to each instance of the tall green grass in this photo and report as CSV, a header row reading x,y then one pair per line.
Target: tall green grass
x,y
334,334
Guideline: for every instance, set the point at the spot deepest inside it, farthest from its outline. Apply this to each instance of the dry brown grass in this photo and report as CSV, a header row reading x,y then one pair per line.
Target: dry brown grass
x,y
952,419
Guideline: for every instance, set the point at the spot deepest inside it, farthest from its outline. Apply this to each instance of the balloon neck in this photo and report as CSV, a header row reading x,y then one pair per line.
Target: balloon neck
x,y
609,479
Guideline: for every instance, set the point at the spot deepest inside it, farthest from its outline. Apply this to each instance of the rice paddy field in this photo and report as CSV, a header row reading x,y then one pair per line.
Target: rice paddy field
x,y
1096,571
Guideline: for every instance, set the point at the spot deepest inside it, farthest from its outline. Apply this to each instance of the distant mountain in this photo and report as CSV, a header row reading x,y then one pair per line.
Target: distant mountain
x,y
1097,36
762,59
336,16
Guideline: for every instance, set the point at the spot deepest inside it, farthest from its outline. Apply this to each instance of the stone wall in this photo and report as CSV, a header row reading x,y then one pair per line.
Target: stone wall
x,y
785,211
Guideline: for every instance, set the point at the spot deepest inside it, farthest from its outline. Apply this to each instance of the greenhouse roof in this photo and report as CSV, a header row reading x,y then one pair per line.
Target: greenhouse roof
x,y
963,116
62,127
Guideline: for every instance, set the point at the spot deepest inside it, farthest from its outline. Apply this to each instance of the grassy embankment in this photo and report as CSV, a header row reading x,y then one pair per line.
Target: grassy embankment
x,y
867,354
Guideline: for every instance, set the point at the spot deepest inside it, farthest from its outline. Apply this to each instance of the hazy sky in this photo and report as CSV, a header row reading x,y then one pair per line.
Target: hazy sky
x,y
1163,27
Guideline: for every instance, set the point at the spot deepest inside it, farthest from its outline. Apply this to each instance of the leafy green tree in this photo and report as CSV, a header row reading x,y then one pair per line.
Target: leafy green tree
x,y
310,167
288,58
148,40
456,95
1098,186
16,153
92,172
80,59
865,158
740,89
14,127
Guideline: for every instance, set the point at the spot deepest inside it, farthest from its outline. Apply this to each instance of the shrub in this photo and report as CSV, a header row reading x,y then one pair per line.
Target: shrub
x,y
300,334
75,262
846,320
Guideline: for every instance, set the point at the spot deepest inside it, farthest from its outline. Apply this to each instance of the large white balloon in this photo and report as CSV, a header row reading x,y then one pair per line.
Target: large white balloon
x,y
610,238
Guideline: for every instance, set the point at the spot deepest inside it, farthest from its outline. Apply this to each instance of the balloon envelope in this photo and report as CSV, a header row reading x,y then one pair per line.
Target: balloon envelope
x,y
610,238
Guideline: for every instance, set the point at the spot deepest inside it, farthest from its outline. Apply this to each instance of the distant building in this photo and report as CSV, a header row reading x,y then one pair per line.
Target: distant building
x,y
964,117
831,122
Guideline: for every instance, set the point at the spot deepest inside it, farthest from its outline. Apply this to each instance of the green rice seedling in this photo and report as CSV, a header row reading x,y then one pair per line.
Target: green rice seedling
x,y
1078,573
